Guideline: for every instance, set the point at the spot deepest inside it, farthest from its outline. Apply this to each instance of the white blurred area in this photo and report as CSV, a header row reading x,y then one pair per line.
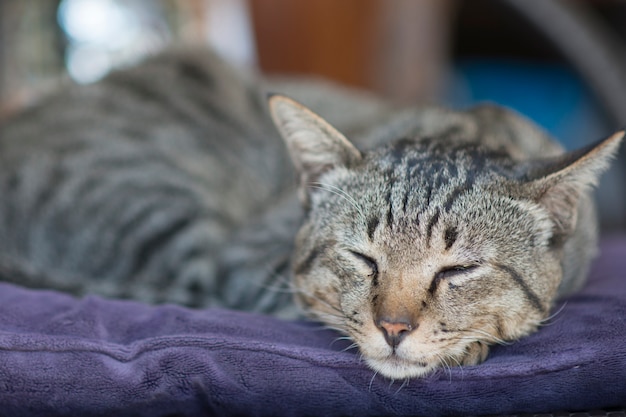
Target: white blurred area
x,y
106,34
229,30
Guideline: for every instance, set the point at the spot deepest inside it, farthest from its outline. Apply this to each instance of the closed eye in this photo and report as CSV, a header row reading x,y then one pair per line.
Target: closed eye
x,y
452,271
368,261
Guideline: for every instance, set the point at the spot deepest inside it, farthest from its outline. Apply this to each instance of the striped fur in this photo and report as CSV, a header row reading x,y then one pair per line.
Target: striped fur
x,y
126,188
458,231
169,182
166,182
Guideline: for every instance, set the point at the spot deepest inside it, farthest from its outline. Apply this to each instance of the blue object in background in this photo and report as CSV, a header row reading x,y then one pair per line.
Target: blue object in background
x,y
555,98
550,94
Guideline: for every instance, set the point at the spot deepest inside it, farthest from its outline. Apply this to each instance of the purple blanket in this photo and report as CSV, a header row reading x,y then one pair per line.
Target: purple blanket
x,y
63,356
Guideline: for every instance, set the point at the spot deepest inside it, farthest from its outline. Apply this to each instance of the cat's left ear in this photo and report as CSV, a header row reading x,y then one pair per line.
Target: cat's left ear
x,y
559,183
314,145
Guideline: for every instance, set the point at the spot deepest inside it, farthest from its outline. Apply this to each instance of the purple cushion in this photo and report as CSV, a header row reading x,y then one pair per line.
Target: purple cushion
x,y
63,356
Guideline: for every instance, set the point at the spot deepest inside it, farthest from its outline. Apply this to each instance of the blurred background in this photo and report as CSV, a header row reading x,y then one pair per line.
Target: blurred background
x,y
560,63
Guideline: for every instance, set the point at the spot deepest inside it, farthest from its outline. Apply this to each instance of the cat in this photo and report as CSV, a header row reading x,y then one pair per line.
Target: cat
x,y
458,233
430,236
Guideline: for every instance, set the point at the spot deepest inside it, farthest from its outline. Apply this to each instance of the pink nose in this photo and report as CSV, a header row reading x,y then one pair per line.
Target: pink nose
x,y
394,330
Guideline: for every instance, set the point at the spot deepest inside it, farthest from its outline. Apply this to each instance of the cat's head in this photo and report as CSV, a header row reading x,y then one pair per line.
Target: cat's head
x,y
426,254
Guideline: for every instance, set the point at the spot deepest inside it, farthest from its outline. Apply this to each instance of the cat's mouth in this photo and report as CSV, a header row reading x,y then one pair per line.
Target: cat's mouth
x,y
395,366
410,360
407,363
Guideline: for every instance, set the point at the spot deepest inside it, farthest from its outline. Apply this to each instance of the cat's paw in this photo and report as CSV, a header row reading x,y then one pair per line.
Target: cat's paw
x,y
474,354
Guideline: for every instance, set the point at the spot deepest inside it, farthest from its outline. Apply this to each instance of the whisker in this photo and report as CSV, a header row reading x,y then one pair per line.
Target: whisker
x,y
341,193
338,190
331,322
547,322
320,300
339,339
342,338
286,288
352,346
487,337
458,364
328,321
443,363
325,327
372,381
404,384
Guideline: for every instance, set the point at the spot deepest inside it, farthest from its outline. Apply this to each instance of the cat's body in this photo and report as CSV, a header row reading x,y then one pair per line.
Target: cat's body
x,y
117,181
168,183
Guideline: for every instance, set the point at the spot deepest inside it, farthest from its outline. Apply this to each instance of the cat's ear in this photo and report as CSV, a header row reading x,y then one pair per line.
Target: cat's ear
x,y
314,145
558,184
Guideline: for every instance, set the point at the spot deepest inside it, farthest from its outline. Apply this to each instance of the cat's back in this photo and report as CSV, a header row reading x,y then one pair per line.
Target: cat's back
x,y
178,102
488,126
137,175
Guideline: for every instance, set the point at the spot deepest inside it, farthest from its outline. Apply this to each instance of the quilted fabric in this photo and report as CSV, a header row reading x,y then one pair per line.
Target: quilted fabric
x,y
65,356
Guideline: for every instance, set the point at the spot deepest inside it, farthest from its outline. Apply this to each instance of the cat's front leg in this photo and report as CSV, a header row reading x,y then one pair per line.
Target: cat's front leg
x,y
475,353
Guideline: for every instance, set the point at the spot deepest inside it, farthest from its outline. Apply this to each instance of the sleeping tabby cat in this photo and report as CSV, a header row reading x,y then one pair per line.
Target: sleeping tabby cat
x,y
432,235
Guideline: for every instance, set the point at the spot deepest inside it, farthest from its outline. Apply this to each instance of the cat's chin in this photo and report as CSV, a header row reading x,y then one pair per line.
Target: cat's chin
x,y
395,367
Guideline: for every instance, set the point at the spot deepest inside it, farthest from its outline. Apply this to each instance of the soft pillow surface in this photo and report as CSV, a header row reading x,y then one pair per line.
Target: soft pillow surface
x,y
65,356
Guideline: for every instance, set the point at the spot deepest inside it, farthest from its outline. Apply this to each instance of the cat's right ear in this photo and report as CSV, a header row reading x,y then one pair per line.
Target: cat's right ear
x,y
558,183
314,145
